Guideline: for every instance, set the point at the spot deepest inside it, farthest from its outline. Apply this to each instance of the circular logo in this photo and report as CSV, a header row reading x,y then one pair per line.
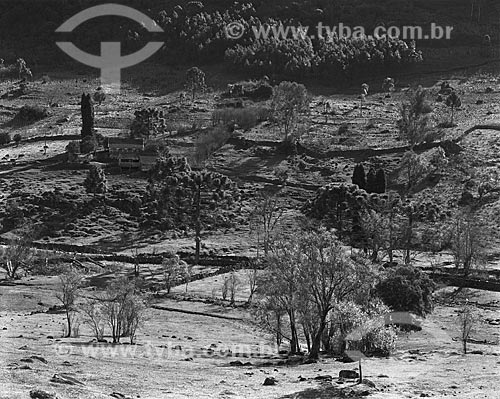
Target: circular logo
x,y
234,30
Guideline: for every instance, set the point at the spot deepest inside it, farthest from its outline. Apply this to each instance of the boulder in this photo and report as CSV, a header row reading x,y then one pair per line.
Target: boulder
x,y
39,394
65,379
348,374
269,381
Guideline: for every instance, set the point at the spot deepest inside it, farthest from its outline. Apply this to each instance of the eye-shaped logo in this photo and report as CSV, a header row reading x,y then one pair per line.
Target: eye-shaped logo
x,y
110,62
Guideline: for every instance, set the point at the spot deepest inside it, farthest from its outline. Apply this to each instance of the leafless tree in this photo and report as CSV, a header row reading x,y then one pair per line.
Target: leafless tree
x,y
92,316
467,319
265,218
467,240
123,308
68,290
175,272
18,254
252,277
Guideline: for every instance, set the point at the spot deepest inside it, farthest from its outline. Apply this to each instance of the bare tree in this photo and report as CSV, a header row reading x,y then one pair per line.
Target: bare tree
x,y
230,286
123,308
264,219
467,235
68,290
252,277
18,254
467,320
175,272
92,316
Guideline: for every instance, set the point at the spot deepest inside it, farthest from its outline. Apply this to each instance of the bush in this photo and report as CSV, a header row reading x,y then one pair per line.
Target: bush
x,y
209,142
30,114
4,138
246,118
88,145
18,138
407,289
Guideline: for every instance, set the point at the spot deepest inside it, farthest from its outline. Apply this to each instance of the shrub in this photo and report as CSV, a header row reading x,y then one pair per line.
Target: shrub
x,y
407,289
4,138
343,129
246,118
17,138
88,145
208,143
31,113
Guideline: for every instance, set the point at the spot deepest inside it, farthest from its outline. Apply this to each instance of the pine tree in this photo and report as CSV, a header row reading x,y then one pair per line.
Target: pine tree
x,y
359,176
380,182
95,182
371,183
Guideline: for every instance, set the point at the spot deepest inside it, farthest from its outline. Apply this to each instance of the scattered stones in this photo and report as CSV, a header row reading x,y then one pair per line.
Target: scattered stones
x,y
39,394
348,374
270,381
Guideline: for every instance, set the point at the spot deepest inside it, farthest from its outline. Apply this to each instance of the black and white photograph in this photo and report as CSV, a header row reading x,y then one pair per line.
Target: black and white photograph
x,y
249,199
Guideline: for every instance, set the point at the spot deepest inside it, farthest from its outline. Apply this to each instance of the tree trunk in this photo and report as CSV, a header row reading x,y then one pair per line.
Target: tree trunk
x,y
68,318
316,344
198,226
294,339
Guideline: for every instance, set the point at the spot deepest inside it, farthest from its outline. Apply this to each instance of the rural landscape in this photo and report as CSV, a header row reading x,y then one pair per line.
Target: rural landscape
x,y
294,217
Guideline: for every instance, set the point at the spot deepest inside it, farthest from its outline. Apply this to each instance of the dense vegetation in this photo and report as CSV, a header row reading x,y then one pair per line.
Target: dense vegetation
x,y
196,31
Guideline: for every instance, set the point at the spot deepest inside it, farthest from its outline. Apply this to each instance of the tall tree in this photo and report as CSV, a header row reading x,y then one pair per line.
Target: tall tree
x,y
311,270
174,187
380,181
359,176
414,128
69,287
195,81
289,101
87,110
371,181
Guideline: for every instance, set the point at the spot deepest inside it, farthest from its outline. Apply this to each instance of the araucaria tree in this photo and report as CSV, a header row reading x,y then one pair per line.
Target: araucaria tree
x,y
69,286
95,182
176,190
195,81
290,101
